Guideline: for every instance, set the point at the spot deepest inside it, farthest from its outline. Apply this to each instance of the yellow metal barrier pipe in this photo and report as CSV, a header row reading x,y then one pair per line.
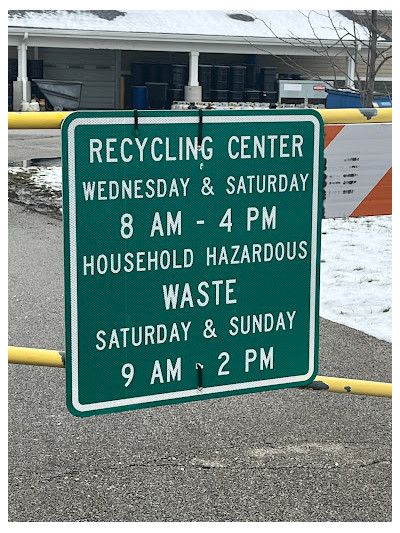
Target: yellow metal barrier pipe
x,y
351,386
33,356
356,116
53,119
36,120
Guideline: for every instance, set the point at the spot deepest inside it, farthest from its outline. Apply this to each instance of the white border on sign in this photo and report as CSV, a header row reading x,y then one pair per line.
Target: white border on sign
x,y
74,272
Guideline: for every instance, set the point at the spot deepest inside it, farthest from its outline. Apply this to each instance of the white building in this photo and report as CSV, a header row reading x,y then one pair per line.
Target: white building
x,y
101,48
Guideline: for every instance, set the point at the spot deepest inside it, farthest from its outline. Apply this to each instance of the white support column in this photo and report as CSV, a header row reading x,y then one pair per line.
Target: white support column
x,y
351,72
22,87
193,89
23,67
193,69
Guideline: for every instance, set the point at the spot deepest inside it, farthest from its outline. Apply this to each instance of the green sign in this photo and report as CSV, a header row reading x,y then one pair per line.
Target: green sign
x,y
192,245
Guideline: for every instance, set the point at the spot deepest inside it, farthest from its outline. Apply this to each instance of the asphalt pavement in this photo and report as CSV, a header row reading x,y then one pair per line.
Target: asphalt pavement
x,y
33,144
277,456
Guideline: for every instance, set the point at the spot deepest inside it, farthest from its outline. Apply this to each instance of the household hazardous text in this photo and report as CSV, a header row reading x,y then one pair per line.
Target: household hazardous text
x,y
191,260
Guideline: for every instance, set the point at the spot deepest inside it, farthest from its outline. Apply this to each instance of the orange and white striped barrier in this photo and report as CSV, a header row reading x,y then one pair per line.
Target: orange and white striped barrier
x,y
358,170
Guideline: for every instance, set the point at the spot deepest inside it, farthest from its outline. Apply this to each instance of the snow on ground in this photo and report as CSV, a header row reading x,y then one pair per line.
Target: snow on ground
x,y
356,274
356,266
47,176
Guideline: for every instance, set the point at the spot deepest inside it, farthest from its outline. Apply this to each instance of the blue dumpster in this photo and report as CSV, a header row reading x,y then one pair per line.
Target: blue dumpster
x,y
342,99
337,99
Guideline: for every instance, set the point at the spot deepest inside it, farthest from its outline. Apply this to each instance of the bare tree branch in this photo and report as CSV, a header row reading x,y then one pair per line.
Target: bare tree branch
x,y
365,35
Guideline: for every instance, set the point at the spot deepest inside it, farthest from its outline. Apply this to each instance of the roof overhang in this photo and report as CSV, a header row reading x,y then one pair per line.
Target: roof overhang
x,y
166,42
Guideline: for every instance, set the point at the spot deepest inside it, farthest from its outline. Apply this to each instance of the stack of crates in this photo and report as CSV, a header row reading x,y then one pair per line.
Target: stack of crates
x,y
163,83
219,83
177,81
12,76
205,81
237,82
251,76
269,91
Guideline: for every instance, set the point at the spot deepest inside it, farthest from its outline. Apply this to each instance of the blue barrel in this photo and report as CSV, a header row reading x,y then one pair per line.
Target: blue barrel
x,y
140,97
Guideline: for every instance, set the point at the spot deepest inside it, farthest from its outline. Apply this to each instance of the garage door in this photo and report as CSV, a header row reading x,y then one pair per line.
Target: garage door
x,y
94,68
